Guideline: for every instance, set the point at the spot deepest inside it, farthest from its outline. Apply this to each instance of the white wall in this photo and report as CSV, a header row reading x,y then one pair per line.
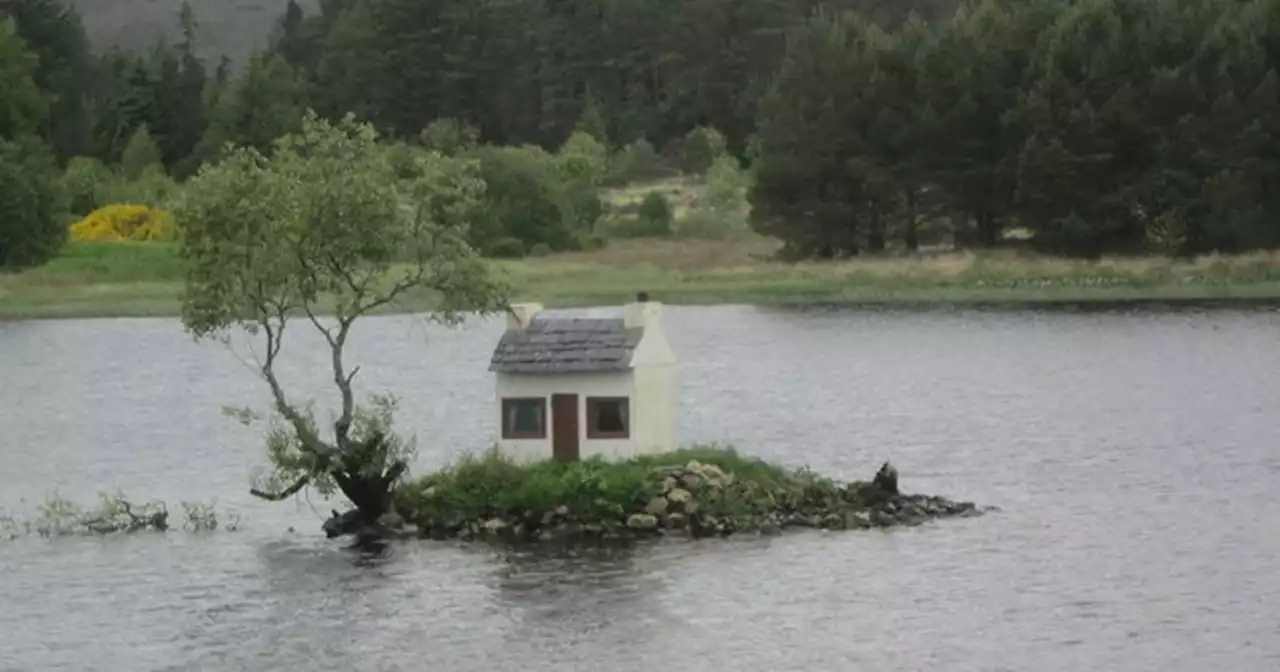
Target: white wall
x,y
653,408
654,403
611,384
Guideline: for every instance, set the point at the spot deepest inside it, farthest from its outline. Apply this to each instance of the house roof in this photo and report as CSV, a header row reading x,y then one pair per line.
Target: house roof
x,y
566,345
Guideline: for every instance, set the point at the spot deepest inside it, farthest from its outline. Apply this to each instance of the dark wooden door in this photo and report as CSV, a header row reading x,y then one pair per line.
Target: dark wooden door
x,y
564,427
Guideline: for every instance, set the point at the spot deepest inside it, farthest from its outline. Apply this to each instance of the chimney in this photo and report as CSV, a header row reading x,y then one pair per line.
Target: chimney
x,y
519,315
642,312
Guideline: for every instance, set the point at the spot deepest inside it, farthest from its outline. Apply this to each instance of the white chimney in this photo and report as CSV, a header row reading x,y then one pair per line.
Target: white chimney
x,y
519,315
642,312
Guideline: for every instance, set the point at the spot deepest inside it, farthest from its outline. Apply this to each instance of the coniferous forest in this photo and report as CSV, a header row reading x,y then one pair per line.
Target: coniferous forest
x,y
1086,127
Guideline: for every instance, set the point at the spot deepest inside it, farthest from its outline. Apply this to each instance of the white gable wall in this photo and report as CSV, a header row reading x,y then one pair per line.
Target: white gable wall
x,y
609,384
653,409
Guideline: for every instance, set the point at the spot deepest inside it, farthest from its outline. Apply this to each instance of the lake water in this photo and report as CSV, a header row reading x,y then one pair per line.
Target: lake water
x,y
1133,454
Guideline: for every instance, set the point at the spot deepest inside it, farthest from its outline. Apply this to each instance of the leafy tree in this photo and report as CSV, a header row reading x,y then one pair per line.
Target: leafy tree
x,y
326,221
85,183
23,107
699,149
53,32
583,158
654,217
266,103
819,184
141,153
449,136
527,198
30,233
637,161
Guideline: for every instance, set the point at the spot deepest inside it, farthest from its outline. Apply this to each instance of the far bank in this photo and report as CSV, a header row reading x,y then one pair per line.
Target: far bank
x,y
145,279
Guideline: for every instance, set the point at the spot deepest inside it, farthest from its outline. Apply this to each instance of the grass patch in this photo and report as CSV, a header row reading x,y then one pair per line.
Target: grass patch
x,y
699,491
145,279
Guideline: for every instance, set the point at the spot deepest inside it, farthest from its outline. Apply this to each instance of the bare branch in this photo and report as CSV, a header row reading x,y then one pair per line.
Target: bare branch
x,y
343,381
274,333
283,494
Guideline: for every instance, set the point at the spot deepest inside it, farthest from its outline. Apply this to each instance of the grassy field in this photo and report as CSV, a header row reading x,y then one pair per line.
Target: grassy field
x,y
144,279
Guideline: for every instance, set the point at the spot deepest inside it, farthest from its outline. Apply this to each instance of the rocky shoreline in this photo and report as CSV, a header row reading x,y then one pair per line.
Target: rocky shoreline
x,y
698,500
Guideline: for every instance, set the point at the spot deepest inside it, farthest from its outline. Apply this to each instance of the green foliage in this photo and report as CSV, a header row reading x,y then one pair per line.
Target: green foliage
x,y
140,154
53,33
506,248
327,207
85,183
329,216
636,162
31,232
151,187
592,123
655,216
449,136
716,483
114,513
536,197
266,103
23,107
490,484
699,149
583,159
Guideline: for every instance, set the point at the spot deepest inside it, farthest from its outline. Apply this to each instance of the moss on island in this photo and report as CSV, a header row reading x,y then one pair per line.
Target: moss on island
x,y
697,492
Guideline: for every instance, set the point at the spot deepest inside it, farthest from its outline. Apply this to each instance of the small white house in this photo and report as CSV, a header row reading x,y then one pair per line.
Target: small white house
x,y
574,387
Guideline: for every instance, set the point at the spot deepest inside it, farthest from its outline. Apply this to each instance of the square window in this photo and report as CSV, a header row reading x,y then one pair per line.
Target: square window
x,y
524,418
608,418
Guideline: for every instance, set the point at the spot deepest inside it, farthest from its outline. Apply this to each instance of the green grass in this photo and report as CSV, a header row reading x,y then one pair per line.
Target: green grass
x,y
485,485
145,279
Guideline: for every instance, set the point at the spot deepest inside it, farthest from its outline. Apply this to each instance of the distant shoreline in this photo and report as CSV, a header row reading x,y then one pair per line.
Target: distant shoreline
x,y
145,280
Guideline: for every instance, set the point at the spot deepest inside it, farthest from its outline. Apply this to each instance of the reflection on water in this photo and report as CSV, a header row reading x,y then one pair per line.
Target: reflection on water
x,y
1132,453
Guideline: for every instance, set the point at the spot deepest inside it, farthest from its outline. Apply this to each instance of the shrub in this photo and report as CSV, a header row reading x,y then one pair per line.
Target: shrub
x,y
699,149
727,185
592,241
654,216
723,209
710,225
124,222
529,199
140,153
583,158
30,233
85,184
635,162
540,250
506,248
449,136
151,187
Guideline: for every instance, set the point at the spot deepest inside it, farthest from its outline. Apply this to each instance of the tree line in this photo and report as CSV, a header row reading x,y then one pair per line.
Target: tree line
x,y
1083,126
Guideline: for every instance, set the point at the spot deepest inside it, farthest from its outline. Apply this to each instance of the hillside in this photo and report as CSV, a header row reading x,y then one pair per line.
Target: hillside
x,y
231,27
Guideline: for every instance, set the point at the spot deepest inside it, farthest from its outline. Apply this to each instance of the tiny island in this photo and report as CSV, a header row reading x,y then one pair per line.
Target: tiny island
x,y
584,448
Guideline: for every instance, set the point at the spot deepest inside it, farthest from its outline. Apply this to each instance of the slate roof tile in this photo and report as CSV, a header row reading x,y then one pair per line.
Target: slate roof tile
x,y
566,345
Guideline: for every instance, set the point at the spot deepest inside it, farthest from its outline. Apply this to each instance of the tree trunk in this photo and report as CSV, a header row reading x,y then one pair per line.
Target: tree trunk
x,y
370,495
988,230
911,237
875,232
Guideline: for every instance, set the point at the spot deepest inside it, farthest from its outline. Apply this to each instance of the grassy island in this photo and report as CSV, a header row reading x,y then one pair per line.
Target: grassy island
x,y
697,492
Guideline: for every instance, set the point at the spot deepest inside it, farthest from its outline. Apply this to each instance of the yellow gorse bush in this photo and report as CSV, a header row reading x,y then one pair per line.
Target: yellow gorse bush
x,y
120,222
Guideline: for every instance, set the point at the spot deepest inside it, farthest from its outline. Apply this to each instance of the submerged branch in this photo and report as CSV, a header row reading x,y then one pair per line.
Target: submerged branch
x,y
283,494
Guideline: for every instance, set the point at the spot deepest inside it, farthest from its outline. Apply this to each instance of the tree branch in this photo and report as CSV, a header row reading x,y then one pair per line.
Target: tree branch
x,y
283,494
343,380
310,441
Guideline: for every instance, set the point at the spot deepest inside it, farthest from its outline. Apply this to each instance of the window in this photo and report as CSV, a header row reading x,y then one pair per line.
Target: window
x,y
608,418
524,418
